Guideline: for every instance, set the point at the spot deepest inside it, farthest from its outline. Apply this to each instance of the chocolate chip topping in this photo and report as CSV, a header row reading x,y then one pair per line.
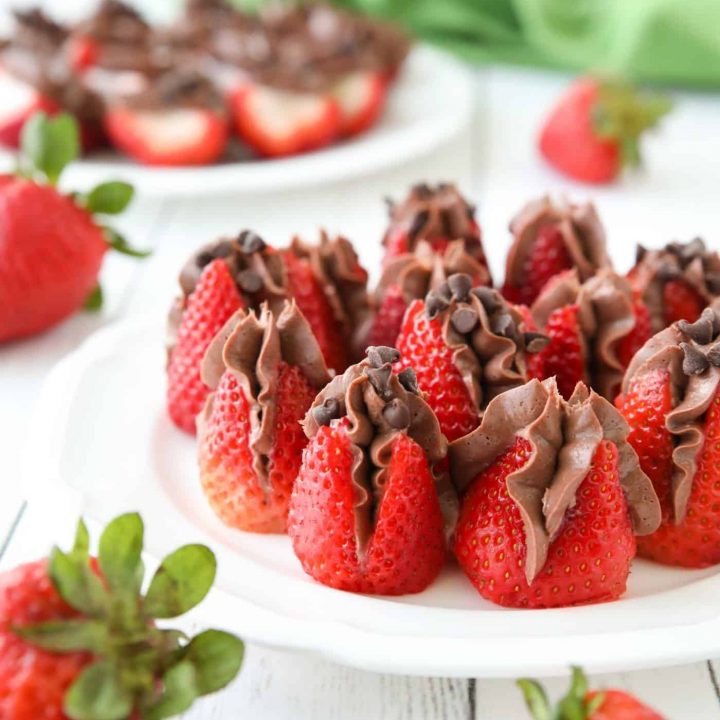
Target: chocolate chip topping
x,y
460,285
703,329
250,242
379,378
418,223
408,379
435,304
489,298
503,324
640,252
397,414
379,355
535,341
464,319
249,281
694,361
328,411
668,271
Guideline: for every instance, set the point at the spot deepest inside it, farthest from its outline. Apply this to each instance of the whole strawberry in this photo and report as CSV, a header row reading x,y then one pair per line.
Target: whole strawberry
x,y
594,329
676,282
594,130
79,639
550,237
552,496
465,345
51,244
580,703
372,506
671,400
265,373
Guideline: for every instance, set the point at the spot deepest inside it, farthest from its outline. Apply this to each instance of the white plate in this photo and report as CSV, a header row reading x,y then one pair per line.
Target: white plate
x,y
430,104
104,432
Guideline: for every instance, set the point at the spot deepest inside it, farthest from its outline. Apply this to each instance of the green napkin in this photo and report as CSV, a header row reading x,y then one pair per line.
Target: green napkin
x,y
668,41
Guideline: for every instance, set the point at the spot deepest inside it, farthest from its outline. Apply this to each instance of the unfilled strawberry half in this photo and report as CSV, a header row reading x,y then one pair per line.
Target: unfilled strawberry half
x,y
671,400
594,131
51,244
410,276
372,505
20,102
552,495
581,703
361,98
676,282
79,639
264,373
275,122
465,345
594,328
436,214
550,237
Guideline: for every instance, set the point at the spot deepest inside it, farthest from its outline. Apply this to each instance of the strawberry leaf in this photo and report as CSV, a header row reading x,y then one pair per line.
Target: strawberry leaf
x,y
98,694
179,693
78,585
49,144
117,242
119,553
95,299
536,699
109,198
67,635
81,546
181,582
216,657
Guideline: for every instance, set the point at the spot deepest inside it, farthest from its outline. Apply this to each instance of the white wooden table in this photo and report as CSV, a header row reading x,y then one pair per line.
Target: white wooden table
x,y
495,164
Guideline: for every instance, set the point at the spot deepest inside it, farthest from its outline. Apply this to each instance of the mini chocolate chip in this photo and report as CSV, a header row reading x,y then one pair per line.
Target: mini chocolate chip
x,y
503,324
379,379
694,361
713,355
712,280
464,319
434,305
460,286
489,298
418,223
408,379
397,414
378,355
249,281
222,249
204,258
444,291
701,331
250,242
535,341
443,186
326,412
422,189
668,271
640,253
689,251
447,222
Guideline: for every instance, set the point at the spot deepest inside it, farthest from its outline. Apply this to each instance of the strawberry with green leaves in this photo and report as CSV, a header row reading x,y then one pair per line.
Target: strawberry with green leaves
x,y
52,244
594,131
580,703
80,640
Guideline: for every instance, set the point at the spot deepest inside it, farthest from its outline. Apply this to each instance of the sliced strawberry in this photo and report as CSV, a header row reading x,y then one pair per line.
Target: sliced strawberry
x,y
640,334
388,319
681,302
361,97
19,101
278,122
179,136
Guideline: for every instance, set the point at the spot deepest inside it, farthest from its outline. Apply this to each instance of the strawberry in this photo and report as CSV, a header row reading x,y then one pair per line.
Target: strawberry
x,y
544,518
582,704
465,348
84,52
388,319
20,102
276,122
265,374
594,130
372,519
642,332
671,400
550,238
51,244
78,637
681,302
436,215
212,302
361,98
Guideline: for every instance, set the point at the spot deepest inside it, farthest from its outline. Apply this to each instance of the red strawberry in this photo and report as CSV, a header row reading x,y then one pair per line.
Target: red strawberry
x,y
545,522
276,122
66,652
388,320
582,704
247,472
376,526
84,52
51,245
20,102
177,136
207,309
681,302
594,130
361,98
642,332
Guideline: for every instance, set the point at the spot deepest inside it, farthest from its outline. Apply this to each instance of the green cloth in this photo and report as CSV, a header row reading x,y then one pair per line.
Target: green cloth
x,y
666,41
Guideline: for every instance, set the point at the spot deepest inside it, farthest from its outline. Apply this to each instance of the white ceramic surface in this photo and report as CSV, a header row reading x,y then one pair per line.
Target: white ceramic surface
x,y
105,435
430,104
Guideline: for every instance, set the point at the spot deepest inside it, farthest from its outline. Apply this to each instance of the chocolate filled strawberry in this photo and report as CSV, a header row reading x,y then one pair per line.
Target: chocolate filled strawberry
x,y
671,400
466,345
594,330
265,372
437,215
411,276
325,280
548,238
676,282
372,505
552,496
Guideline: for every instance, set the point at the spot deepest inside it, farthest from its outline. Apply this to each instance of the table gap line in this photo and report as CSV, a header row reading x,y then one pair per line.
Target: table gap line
x,y
472,697
713,679
13,528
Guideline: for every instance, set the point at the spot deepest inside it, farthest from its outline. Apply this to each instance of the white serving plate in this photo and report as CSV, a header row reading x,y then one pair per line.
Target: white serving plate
x,y
106,438
430,104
